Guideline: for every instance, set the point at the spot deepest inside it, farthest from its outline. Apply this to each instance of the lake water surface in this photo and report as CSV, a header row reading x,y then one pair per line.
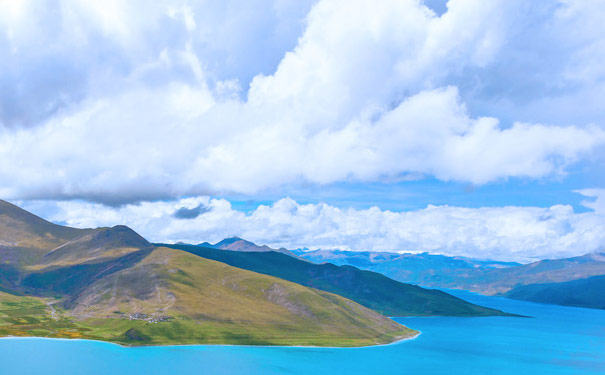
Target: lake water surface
x,y
557,340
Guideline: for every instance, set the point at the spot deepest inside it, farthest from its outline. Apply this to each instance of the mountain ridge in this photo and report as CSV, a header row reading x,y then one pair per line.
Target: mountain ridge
x,y
111,284
486,277
370,289
588,292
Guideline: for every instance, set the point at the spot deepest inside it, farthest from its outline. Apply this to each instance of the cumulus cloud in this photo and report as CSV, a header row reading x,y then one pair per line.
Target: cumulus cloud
x,y
504,233
127,106
56,54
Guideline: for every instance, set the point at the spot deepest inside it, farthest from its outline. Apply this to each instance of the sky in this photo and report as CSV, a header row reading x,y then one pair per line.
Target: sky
x,y
460,127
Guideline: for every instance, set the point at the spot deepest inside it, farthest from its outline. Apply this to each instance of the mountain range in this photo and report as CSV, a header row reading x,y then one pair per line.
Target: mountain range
x,y
514,280
422,268
112,284
367,288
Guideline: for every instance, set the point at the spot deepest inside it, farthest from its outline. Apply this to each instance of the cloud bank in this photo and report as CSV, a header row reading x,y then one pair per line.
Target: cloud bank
x,y
503,233
132,101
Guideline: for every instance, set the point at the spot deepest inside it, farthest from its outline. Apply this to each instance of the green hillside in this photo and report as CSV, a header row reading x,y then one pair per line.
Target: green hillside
x,y
22,228
171,297
370,289
111,284
207,301
96,246
25,237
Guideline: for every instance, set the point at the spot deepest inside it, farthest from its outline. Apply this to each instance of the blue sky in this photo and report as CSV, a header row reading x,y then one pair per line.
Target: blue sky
x,y
411,195
402,125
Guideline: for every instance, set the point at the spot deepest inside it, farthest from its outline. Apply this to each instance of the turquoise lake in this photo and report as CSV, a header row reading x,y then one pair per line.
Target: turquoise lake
x,y
556,340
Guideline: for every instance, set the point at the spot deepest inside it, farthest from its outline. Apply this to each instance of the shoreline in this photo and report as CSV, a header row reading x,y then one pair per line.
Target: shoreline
x,y
398,341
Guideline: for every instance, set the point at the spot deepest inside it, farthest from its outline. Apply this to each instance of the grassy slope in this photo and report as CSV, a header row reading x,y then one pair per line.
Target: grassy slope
x,y
22,228
69,281
100,277
207,302
589,292
30,316
28,242
98,245
25,237
367,288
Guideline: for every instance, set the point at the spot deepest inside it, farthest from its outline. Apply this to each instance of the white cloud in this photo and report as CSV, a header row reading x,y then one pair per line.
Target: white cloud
x,y
365,95
597,201
505,233
89,50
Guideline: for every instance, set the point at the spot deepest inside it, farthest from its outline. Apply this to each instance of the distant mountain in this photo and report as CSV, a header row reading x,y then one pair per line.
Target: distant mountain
x,y
500,281
369,289
238,244
111,284
589,292
487,277
421,269
417,261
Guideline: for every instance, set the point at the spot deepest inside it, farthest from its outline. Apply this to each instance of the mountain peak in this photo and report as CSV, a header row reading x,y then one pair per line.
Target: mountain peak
x,y
230,240
29,239
119,235
239,244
